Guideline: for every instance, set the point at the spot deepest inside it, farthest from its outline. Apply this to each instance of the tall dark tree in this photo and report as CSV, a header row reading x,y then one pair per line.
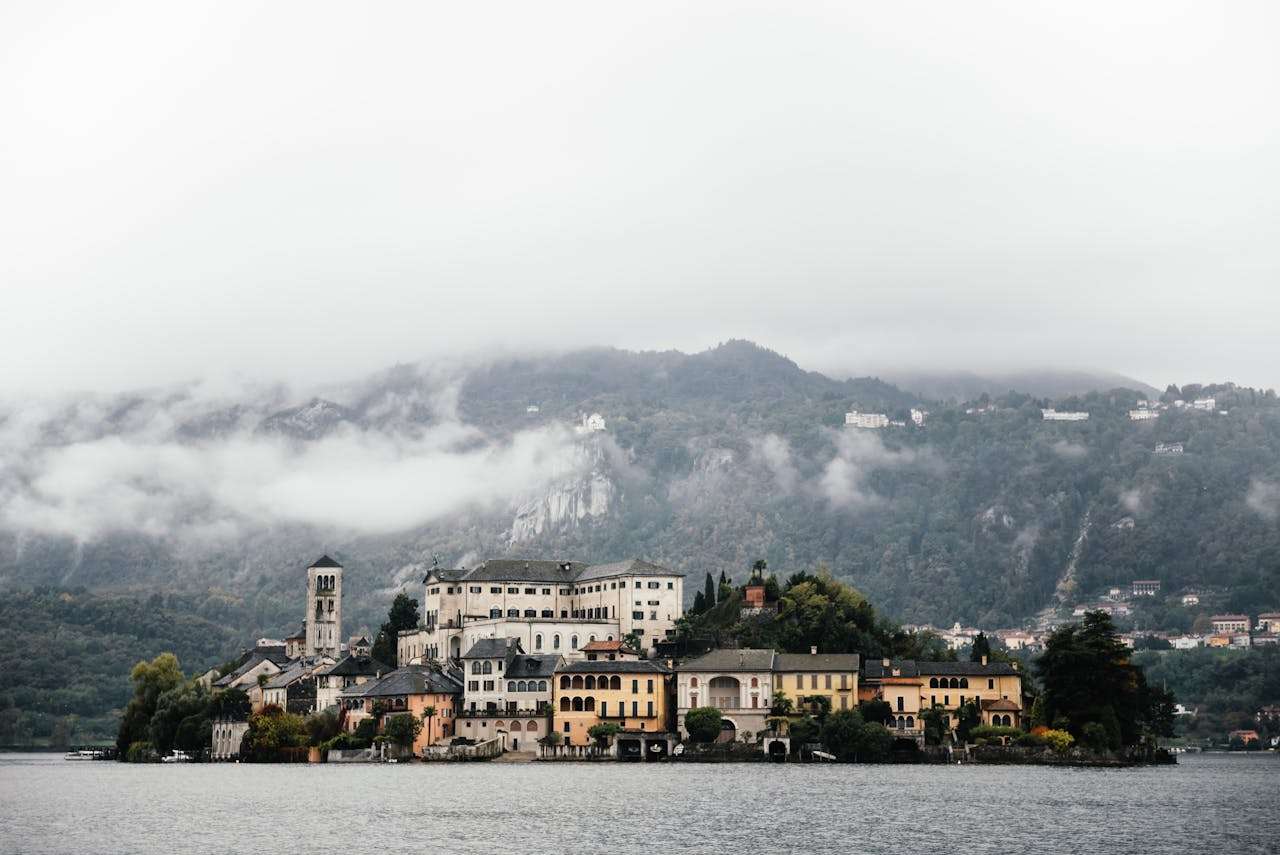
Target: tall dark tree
x,y
981,648
699,603
709,592
402,615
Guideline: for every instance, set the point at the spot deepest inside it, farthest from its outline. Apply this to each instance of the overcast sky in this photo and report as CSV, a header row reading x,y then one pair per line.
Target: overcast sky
x,y
309,191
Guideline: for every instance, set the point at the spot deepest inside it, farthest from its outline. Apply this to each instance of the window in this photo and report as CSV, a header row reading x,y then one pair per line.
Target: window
x,y
486,667
546,592
844,702
513,590
615,683
650,691
530,612
495,590
654,603
693,699
564,592
991,684
755,682
637,583
900,707
564,681
476,589
573,642
613,586
475,666
637,615
555,641
531,590
488,685
537,641
827,681
964,682
604,709
473,685
654,585
635,688
693,682
813,681
799,681
650,709
495,613
946,700
511,686
844,681
933,682
566,726
635,709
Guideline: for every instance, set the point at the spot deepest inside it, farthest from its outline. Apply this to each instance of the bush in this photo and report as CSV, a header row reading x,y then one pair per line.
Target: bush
x,y
402,729
991,732
1094,736
1058,740
140,752
703,724
1030,740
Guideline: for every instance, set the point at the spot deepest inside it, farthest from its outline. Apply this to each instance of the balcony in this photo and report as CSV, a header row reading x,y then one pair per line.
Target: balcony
x,y
494,713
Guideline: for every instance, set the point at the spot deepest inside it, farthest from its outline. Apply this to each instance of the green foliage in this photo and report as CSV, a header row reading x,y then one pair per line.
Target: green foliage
x,y
605,731
992,732
874,744
272,734
804,730
969,716
322,727
1095,737
818,706
365,731
876,710
1059,740
935,728
402,615
1226,688
703,724
841,733
782,704
151,680
1087,677
402,729
981,648
140,752
709,593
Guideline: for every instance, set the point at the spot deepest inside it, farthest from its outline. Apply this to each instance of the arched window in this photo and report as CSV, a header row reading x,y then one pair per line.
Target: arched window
x,y
591,638
577,681
577,704
564,681
497,725
513,613
537,641
475,666
511,686
615,682
964,682
530,612
555,641
755,682
531,727
573,642
319,610
933,682
542,685
590,705
564,705
548,613
693,682
486,668
495,613
911,722
609,637
955,684
524,687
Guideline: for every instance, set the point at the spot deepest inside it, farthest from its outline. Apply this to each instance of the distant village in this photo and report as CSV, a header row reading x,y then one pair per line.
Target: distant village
x,y
539,658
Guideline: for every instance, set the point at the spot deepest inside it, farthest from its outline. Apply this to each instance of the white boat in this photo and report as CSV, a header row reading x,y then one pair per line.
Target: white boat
x,y
822,755
83,754
176,756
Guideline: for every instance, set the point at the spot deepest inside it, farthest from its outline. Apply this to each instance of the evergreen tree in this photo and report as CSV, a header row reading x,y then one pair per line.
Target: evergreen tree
x,y
981,648
402,615
699,603
709,592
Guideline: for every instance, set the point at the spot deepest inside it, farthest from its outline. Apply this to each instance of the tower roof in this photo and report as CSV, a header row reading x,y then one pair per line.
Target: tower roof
x,y
326,561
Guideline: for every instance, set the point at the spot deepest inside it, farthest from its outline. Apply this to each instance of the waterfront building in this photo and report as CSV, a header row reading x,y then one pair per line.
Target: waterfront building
x,y
294,688
350,670
805,676
911,686
507,693
554,607
323,613
411,690
1186,642
630,693
739,683
227,736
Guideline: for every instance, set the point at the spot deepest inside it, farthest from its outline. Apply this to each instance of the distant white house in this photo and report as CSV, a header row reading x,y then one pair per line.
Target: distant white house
x,y
1186,642
919,416
1206,404
532,408
1143,415
593,423
1168,448
1191,599
1052,415
871,421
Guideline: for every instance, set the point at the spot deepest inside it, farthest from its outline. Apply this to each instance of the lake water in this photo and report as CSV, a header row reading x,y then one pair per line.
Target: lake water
x,y
1223,804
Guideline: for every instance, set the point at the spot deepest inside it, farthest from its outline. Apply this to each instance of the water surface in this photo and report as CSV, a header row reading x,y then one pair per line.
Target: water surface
x,y
1224,804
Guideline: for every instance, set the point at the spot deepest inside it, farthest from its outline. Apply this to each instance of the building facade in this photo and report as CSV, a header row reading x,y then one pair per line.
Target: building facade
x,y
911,687
323,613
739,683
634,694
805,676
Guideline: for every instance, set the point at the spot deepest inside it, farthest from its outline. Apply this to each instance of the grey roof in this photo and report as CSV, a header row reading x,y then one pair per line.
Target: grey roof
x,y
255,658
554,572
409,680
492,648
816,662
523,666
289,676
355,666
634,567
611,666
874,669
745,659
325,561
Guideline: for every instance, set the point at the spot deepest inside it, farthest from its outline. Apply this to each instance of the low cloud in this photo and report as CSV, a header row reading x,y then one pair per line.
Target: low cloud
x,y
1070,450
774,453
1132,501
1263,499
94,469
844,479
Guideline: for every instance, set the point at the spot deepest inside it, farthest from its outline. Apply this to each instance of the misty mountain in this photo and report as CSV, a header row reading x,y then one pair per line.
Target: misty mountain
x,y
707,461
1045,383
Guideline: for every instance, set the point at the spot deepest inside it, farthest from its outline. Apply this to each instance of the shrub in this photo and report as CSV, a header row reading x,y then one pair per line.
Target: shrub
x,y
140,752
992,733
1030,740
703,724
1094,736
402,729
1058,740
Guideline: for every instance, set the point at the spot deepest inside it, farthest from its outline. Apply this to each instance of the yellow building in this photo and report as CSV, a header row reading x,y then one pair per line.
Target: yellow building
x,y
803,676
912,687
633,694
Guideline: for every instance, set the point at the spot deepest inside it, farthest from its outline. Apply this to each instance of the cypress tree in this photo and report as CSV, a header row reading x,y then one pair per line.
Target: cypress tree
x,y
709,592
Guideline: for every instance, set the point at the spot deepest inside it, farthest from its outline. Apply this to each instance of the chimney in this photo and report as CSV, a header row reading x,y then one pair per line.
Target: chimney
x,y
984,660
813,650
884,663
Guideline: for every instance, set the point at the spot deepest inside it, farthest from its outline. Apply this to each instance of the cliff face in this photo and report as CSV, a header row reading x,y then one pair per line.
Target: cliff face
x,y
584,493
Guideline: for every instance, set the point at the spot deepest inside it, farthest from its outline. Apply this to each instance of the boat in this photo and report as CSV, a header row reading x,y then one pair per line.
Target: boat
x,y
84,754
823,756
176,756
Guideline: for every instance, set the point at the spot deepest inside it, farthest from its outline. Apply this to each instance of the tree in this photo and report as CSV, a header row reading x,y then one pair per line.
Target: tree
x,y
603,733
969,716
781,704
981,648
876,710
272,733
150,681
935,728
322,726
841,733
709,593
402,729
428,713
402,615
703,724
874,744
699,603
804,731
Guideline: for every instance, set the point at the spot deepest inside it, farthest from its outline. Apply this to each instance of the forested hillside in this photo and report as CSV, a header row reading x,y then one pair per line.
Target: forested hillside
x,y
985,514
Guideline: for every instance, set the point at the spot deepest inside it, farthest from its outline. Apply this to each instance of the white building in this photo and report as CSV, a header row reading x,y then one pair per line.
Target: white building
x,y
227,735
543,603
1168,449
870,421
323,614
918,417
1143,415
593,423
1191,599
1052,415
1186,642
1206,404
532,409
739,683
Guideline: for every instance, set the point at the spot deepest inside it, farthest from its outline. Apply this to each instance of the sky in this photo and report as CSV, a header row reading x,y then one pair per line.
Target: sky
x,y
308,192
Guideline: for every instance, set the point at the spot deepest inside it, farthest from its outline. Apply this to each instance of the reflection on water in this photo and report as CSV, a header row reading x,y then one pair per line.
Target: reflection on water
x,y
1209,803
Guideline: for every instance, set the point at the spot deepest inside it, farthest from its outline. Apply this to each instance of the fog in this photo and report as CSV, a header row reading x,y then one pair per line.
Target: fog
x,y
306,192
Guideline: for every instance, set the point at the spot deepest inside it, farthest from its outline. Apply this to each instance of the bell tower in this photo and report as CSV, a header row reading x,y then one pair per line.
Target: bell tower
x,y
324,608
